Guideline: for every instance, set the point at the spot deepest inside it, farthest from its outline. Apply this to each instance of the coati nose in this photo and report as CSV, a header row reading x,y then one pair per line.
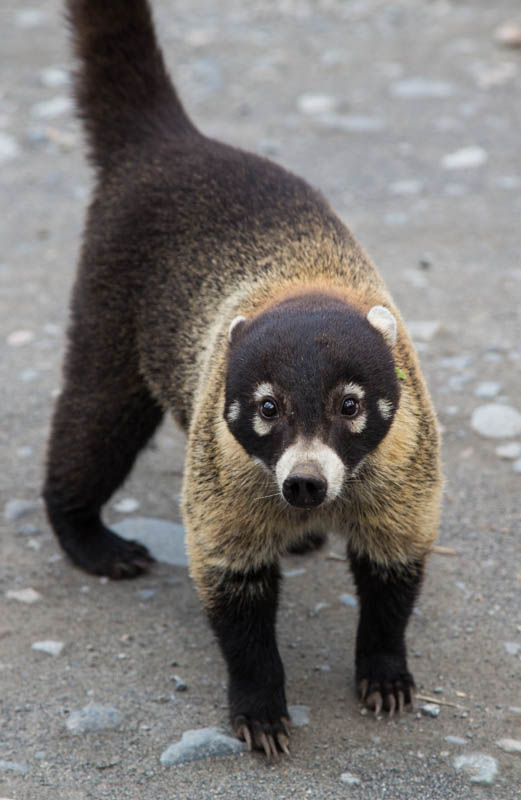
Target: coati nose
x,y
304,487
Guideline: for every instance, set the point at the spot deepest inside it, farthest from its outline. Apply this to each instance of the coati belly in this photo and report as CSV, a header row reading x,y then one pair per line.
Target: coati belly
x,y
217,286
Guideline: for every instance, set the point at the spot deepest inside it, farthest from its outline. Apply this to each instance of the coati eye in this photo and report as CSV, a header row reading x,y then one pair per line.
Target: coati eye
x,y
268,408
350,407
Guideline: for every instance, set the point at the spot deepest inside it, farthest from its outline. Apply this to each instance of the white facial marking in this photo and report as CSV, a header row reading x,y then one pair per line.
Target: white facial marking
x,y
354,389
233,324
384,321
261,426
263,390
234,411
317,453
385,407
358,424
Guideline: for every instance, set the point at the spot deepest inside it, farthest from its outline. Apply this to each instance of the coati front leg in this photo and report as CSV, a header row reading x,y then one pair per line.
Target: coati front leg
x,y
386,598
242,607
103,418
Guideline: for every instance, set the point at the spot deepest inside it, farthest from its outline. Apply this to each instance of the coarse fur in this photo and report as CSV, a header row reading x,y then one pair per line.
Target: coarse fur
x,y
221,288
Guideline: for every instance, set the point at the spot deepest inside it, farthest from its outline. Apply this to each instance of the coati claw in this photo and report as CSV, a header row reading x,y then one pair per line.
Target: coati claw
x,y
391,697
263,736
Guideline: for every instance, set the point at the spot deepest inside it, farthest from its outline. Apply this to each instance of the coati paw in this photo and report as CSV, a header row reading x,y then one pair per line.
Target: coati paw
x,y
310,543
271,737
382,688
106,553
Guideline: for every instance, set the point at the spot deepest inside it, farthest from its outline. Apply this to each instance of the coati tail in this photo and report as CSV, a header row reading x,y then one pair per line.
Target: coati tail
x,y
122,88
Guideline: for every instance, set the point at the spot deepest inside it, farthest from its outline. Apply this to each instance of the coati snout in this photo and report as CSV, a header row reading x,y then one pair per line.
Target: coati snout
x,y
311,389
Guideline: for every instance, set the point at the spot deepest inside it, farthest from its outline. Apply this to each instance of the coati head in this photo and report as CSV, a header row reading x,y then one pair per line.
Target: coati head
x,y
311,390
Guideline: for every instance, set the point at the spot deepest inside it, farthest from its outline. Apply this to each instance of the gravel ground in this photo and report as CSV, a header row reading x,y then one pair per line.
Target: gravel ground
x,y
407,115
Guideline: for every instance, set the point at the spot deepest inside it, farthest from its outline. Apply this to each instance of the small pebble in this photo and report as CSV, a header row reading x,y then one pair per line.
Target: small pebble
x,y
312,104
126,505
299,715
510,451
496,421
94,718
420,88
478,767
49,646
179,684
25,452
430,710
465,158
9,148
50,109
28,595
16,508
19,338
517,466
512,648
353,123
201,743
455,740
12,766
164,539
293,573
54,77
320,607
348,600
487,389
28,529
29,17
510,745
146,594
350,779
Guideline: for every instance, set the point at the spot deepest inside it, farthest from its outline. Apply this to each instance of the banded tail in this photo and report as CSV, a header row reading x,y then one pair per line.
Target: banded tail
x,y
122,89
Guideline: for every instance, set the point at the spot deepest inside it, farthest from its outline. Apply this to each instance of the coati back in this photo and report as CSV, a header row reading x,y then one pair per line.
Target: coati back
x,y
219,287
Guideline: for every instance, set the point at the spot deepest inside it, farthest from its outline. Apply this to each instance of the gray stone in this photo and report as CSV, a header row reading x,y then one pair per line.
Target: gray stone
x,y
353,123
310,103
179,684
496,421
465,158
455,740
16,508
293,573
29,18
510,451
49,646
350,779
517,466
28,595
28,529
12,766
421,88
510,745
430,710
479,768
299,715
9,147
54,77
512,648
50,109
201,743
94,718
348,600
487,389
165,540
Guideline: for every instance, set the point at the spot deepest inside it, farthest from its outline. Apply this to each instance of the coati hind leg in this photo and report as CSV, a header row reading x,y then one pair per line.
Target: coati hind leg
x,y
387,598
241,607
102,420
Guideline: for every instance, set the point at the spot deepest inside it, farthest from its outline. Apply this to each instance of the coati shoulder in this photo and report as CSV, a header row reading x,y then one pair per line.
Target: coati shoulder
x,y
218,287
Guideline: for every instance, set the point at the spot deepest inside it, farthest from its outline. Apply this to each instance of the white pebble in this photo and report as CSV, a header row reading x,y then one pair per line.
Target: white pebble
x,y
299,715
16,508
478,767
510,745
9,148
353,123
49,646
424,330
517,466
496,421
28,595
19,338
126,505
430,710
512,648
510,451
29,17
419,88
487,389
455,740
54,77
465,158
49,109
293,573
310,103
350,779
348,600
201,743
94,718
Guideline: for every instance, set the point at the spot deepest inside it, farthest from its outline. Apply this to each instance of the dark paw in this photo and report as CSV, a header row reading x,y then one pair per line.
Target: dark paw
x,y
260,734
102,552
311,542
385,686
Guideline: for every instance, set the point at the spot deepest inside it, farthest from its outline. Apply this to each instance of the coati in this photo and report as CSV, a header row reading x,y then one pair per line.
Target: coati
x,y
221,288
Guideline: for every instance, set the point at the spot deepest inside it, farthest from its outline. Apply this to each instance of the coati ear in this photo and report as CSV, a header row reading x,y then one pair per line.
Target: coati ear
x,y
235,325
384,321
